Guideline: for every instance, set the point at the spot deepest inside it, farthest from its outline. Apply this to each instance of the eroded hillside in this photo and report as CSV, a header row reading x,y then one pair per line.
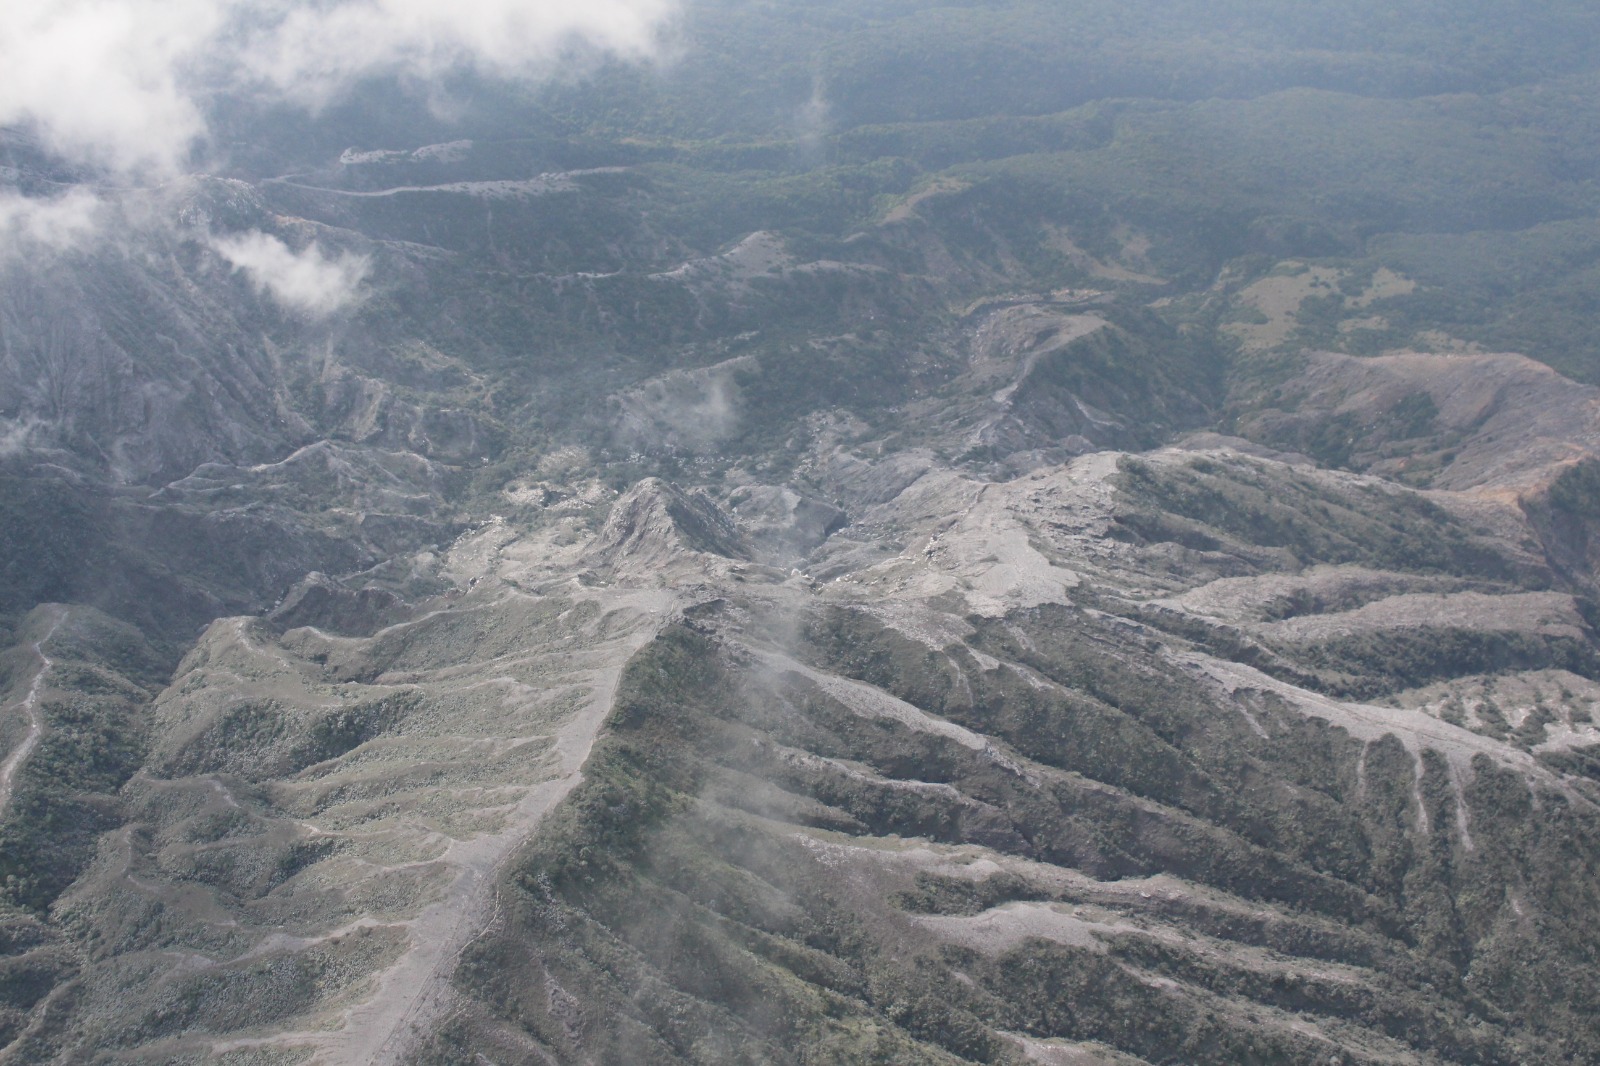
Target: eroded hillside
x,y
830,552
1204,750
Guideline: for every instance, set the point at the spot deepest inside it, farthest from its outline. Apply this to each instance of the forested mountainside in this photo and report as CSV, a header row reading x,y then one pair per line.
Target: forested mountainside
x,y
885,533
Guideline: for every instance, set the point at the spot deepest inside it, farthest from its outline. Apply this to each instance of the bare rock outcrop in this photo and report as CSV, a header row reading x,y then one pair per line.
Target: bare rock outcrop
x,y
655,522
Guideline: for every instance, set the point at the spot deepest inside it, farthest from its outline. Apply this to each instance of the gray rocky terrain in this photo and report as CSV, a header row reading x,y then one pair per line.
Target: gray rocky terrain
x,y
674,589
1205,719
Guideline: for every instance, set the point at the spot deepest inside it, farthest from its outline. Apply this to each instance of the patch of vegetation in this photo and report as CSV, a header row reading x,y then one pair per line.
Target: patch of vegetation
x,y
1368,665
680,910
1369,525
937,894
93,739
662,933
264,739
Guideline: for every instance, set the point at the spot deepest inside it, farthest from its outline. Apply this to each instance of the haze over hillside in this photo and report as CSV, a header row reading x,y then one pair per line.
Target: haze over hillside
x,y
859,531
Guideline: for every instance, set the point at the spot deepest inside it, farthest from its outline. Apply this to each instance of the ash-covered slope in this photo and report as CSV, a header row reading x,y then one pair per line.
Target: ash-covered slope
x,y
1070,768
1204,753
962,738
879,543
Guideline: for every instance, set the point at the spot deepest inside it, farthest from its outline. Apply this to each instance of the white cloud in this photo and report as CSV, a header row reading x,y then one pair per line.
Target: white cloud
x,y
104,80
58,222
308,282
116,82
16,435
811,125
315,51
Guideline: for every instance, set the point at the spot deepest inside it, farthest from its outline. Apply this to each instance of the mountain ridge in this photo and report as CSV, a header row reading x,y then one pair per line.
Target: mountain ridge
x,y
826,552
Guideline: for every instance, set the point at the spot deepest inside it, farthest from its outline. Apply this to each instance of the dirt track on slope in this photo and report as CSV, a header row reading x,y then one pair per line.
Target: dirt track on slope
x,y
30,707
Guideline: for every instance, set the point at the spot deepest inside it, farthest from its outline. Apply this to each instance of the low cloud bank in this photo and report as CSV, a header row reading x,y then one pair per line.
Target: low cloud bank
x,y
101,81
307,282
56,223
16,436
316,51
115,83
